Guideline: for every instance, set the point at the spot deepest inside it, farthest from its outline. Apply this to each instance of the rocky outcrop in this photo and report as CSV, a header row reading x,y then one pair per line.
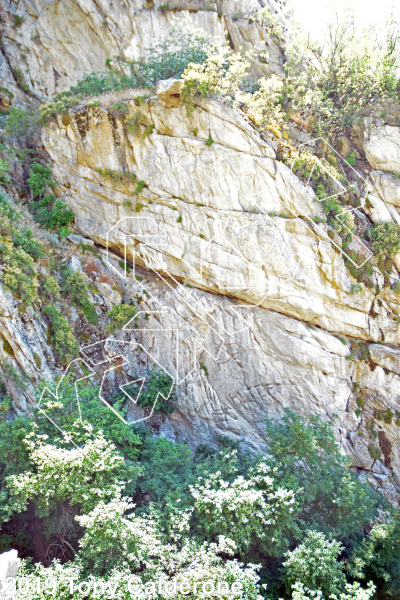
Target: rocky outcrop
x,y
210,206
386,357
24,348
382,147
66,40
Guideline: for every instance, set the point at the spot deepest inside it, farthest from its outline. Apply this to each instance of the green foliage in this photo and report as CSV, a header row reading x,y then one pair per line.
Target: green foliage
x,y
167,470
135,120
118,108
374,452
309,462
139,187
351,159
117,176
378,558
384,414
75,285
352,592
256,511
17,21
203,367
48,211
208,511
24,239
19,269
82,476
95,415
158,392
8,348
120,315
356,289
4,172
21,122
385,239
40,179
209,141
62,337
161,61
314,564
263,106
5,405
221,74
334,79
148,131
19,78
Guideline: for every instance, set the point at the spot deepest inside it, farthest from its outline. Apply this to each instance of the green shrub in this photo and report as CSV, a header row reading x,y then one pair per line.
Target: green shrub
x,y
62,337
209,141
314,564
148,130
17,21
19,269
40,179
139,187
8,348
302,446
19,272
24,239
117,176
166,469
158,392
161,61
21,122
4,172
49,211
351,159
255,510
339,76
135,120
385,239
20,79
120,315
118,108
377,558
75,286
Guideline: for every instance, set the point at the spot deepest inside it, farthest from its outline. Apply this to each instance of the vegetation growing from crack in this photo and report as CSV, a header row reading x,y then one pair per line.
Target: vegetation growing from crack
x,y
61,335
19,253
47,210
75,285
161,61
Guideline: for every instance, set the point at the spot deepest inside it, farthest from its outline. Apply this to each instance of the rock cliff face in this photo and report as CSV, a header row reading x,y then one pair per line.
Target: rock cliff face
x,y
59,42
245,299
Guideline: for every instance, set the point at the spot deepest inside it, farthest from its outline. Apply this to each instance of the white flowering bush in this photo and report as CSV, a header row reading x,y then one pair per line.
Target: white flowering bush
x,y
82,475
253,511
